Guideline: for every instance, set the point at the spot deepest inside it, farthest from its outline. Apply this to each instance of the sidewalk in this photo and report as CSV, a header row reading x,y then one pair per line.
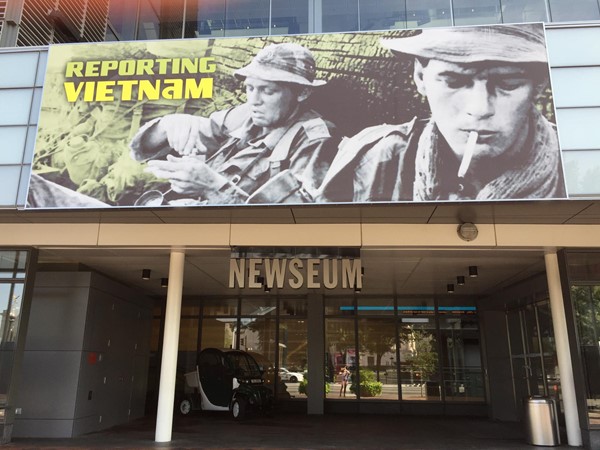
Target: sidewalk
x,y
292,431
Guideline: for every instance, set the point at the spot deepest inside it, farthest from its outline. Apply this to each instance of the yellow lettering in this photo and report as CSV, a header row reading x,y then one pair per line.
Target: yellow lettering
x,y
127,67
104,91
145,67
149,90
108,66
174,92
74,69
202,89
90,89
163,65
92,68
206,65
189,65
127,92
73,92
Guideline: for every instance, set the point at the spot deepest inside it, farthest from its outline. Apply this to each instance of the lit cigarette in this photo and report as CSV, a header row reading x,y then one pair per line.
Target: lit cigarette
x,y
468,155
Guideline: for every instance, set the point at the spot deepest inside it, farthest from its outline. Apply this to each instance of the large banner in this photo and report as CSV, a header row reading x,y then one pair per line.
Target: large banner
x,y
434,115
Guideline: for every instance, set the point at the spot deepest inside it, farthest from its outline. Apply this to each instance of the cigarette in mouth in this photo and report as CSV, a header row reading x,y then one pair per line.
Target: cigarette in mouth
x,y
468,155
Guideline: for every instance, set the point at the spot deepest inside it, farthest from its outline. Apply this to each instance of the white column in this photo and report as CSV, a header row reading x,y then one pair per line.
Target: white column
x,y
168,367
559,322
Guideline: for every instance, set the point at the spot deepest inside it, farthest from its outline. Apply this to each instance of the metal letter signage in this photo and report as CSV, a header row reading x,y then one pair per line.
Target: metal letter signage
x,y
295,273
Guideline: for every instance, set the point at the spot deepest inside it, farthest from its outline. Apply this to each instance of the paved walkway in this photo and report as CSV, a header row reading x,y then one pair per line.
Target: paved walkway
x,y
291,431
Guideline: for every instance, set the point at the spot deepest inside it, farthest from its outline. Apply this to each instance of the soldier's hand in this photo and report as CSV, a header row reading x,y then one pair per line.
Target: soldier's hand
x,y
183,133
188,175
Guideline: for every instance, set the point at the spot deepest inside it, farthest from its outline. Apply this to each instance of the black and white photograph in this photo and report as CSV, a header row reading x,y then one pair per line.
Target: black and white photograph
x,y
445,114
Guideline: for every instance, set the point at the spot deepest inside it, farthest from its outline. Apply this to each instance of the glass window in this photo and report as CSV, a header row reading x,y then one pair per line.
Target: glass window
x,y
13,144
519,11
576,86
461,352
339,306
263,306
293,307
289,16
340,15
476,12
293,357
382,14
419,372
375,306
247,18
377,359
10,184
562,41
218,332
160,19
18,69
257,337
340,351
220,307
41,71
35,106
428,13
15,105
23,185
188,343
586,300
123,16
579,128
584,267
582,171
567,10
205,18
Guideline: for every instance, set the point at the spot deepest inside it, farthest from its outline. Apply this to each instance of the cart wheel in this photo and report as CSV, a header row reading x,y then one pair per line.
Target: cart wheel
x,y
238,408
185,407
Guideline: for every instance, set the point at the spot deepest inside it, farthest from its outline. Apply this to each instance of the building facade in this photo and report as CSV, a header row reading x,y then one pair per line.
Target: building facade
x,y
444,322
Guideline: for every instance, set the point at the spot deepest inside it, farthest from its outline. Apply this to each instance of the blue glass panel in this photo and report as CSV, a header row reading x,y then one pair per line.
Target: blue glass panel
x,y
13,144
569,10
476,12
18,69
340,15
15,105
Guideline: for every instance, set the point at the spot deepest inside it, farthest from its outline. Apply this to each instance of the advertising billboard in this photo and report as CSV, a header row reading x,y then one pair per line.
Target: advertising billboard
x,y
434,115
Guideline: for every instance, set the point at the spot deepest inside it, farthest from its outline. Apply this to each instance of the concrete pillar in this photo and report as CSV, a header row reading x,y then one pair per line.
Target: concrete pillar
x,y
563,353
168,367
316,357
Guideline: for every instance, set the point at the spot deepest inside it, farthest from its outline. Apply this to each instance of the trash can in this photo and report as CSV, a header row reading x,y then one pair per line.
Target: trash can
x,y
541,421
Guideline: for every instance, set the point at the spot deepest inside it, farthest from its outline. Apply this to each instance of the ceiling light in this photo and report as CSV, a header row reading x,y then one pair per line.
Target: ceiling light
x,y
450,288
473,271
146,274
164,282
357,290
460,280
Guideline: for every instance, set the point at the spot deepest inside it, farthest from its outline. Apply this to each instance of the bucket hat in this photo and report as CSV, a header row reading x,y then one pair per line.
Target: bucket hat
x,y
523,43
287,62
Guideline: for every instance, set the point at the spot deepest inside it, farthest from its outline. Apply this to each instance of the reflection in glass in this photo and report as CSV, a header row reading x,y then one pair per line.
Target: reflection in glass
x,y
568,10
205,18
220,307
476,12
160,19
375,306
519,11
377,368
247,18
188,343
122,15
382,14
340,15
218,332
257,336
587,314
289,16
461,358
340,351
419,372
261,306
428,13
293,357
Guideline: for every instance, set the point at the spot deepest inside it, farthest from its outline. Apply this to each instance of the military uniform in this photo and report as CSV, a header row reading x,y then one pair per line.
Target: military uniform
x,y
413,162
300,148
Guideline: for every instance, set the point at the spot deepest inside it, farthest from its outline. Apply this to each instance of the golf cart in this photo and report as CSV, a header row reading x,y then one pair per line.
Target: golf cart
x,y
226,380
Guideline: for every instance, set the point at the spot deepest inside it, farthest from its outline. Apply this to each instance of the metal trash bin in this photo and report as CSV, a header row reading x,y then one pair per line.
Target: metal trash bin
x,y
541,421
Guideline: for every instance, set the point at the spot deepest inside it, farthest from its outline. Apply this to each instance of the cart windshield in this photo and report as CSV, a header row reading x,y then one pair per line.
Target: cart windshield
x,y
243,363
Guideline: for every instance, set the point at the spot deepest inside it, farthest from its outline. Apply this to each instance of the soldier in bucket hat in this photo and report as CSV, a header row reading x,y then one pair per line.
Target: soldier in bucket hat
x,y
272,149
484,139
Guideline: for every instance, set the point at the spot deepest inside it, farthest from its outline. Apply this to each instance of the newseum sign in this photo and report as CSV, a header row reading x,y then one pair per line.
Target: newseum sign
x,y
295,273
444,114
